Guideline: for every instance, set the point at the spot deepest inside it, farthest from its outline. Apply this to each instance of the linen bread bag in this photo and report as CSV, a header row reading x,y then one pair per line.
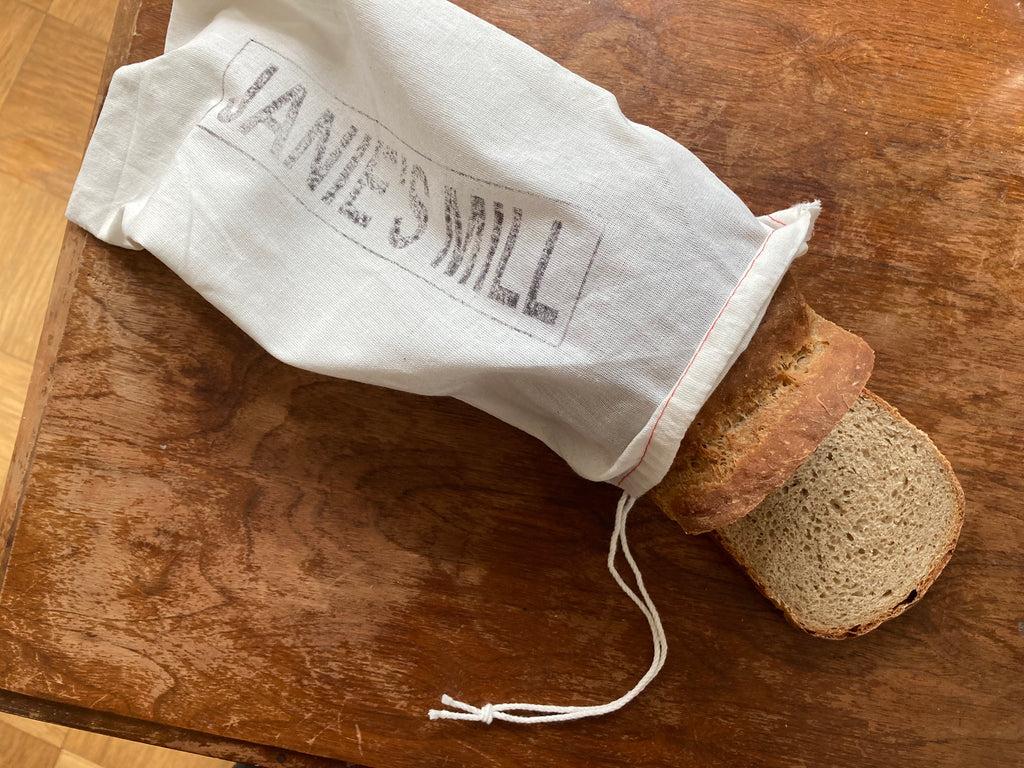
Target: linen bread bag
x,y
403,195
840,511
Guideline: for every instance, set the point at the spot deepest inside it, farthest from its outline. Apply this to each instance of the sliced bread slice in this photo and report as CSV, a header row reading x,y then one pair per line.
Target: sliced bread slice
x,y
860,531
797,377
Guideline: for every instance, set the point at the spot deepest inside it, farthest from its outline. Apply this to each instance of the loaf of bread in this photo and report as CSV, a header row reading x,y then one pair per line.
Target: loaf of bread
x,y
861,529
839,510
797,378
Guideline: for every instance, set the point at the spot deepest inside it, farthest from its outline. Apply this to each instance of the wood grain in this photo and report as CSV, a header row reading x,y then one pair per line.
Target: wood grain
x,y
54,746
21,749
48,733
147,732
208,540
92,17
118,52
41,139
14,377
71,760
21,23
105,752
32,222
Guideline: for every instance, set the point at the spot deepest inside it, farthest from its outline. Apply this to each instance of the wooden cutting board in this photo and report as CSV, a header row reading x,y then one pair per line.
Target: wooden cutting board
x,y
206,549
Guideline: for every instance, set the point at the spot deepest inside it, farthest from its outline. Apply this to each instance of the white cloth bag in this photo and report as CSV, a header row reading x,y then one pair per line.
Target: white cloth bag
x,y
401,194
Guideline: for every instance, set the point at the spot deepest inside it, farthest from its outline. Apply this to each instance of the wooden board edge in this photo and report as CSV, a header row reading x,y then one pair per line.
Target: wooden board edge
x,y
74,241
66,272
161,735
38,389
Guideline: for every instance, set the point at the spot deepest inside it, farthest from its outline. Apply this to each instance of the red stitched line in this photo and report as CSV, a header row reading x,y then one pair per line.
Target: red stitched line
x,y
686,370
776,220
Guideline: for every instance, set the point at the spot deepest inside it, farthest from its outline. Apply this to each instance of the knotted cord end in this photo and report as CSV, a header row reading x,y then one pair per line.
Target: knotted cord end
x,y
484,714
550,713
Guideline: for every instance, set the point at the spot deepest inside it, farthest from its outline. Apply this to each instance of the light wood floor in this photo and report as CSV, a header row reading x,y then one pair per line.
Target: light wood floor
x,y
51,56
30,744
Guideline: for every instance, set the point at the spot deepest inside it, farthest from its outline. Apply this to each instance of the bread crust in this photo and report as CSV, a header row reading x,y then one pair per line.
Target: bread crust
x,y
915,594
797,378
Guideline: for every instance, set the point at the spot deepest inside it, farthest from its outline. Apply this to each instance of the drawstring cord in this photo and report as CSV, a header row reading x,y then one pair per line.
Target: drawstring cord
x,y
548,713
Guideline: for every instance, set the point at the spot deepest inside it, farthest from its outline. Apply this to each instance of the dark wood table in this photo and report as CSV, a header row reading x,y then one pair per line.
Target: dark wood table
x,y
205,549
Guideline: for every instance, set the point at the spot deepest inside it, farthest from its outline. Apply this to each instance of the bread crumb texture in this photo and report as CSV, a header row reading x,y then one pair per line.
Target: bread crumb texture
x,y
859,531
